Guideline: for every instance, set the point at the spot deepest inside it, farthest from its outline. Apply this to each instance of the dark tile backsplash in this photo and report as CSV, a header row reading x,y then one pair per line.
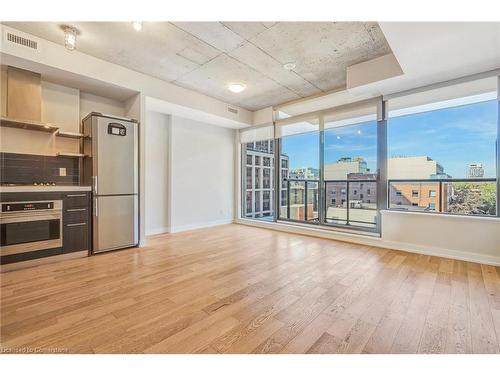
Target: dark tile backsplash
x,y
26,169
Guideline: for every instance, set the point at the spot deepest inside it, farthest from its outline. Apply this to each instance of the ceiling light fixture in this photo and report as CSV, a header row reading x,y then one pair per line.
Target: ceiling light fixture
x,y
137,25
236,87
289,66
70,34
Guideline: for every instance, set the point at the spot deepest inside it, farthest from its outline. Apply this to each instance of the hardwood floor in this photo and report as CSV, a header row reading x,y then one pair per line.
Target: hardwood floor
x,y
239,289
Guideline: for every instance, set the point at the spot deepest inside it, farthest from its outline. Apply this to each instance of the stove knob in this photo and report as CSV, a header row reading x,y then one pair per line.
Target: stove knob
x,y
53,183
35,184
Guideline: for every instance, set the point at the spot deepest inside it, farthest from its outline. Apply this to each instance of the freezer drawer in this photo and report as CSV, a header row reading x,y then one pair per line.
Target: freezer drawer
x,y
115,222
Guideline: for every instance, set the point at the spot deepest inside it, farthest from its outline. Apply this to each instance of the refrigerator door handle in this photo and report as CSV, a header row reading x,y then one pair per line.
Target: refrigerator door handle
x,y
95,184
96,208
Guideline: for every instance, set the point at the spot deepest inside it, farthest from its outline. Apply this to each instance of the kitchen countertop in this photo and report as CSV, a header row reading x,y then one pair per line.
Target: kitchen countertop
x,y
23,189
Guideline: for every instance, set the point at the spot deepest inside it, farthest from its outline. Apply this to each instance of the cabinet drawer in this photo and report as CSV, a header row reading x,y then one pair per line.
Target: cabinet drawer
x,y
75,237
74,215
76,200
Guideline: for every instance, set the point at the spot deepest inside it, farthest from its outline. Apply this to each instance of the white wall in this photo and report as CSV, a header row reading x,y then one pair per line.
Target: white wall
x,y
461,237
93,103
201,175
156,173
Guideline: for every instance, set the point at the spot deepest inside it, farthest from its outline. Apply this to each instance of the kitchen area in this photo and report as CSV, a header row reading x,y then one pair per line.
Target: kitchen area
x,y
69,169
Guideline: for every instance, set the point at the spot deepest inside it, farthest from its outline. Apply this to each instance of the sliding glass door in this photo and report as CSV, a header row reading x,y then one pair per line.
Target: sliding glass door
x,y
299,171
329,167
350,167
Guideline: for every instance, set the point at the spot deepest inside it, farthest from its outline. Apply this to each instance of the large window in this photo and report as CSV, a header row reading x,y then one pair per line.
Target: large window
x,y
257,147
435,152
442,150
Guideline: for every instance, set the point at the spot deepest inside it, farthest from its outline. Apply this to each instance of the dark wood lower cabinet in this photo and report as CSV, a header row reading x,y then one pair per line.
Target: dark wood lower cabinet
x,y
75,237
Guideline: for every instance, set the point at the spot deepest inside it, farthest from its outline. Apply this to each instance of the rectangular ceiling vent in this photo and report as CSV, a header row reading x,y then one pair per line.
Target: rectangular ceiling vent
x,y
22,41
232,110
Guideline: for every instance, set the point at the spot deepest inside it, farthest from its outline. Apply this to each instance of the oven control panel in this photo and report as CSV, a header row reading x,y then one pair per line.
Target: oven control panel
x,y
27,206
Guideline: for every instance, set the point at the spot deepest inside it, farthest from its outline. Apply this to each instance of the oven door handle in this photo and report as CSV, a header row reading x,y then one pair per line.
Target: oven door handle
x,y
7,219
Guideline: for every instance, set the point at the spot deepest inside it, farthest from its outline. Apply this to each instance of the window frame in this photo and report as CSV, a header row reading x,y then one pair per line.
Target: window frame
x,y
383,189
469,79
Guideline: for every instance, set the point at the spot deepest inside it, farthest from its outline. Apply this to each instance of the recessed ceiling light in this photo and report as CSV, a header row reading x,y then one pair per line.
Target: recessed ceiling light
x,y
338,136
137,25
359,131
289,66
70,34
236,87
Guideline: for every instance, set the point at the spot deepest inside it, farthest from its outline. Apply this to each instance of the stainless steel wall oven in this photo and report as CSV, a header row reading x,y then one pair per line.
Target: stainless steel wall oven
x,y
30,226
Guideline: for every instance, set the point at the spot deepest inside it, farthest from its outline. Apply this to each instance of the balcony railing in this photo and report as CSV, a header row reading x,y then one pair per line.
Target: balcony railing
x,y
353,202
301,200
346,202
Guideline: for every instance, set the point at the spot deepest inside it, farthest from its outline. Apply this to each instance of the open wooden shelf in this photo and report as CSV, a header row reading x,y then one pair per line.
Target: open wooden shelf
x,y
28,125
69,135
72,154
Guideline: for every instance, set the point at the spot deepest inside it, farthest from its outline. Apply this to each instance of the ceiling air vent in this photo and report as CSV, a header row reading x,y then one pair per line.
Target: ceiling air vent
x,y
232,110
13,38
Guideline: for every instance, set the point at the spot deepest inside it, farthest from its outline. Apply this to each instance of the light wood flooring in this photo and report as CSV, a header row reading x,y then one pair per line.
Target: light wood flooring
x,y
239,289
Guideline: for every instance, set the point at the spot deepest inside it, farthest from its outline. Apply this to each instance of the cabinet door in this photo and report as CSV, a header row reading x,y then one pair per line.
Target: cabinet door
x,y
75,237
76,200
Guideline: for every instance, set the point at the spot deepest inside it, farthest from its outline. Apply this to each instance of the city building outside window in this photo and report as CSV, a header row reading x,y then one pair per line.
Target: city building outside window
x,y
258,180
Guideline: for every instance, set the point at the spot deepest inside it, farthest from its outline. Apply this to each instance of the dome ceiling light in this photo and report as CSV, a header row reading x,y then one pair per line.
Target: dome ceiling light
x,y
236,87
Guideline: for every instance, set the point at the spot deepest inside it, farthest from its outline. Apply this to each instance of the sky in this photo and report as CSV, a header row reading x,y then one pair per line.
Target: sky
x,y
454,137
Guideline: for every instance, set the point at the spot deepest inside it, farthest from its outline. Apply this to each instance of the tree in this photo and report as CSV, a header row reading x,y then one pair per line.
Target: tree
x,y
473,198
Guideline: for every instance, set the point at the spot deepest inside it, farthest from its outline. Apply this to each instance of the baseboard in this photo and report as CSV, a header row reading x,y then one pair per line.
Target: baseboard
x,y
183,228
375,241
444,253
152,232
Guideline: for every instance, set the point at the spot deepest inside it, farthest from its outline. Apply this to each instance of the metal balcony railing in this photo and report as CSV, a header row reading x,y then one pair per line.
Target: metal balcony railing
x,y
353,206
359,204
304,201
345,204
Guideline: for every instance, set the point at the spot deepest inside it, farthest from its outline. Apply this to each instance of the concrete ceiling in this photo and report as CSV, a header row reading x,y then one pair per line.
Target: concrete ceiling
x,y
207,56
430,52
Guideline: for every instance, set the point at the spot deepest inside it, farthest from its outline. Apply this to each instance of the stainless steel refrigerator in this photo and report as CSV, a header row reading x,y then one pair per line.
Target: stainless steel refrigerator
x,y
110,165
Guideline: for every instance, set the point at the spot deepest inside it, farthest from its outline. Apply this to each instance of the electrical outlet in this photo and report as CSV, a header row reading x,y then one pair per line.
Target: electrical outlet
x,y
62,172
